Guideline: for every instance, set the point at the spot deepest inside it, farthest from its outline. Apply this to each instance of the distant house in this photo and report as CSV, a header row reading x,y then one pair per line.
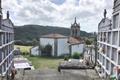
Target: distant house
x,y
34,51
61,45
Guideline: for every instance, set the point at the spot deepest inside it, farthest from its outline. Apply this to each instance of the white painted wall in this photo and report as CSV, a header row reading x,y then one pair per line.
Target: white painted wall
x,y
77,48
63,46
35,51
46,41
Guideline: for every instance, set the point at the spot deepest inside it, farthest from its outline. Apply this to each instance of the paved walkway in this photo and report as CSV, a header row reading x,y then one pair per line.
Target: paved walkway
x,y
51,74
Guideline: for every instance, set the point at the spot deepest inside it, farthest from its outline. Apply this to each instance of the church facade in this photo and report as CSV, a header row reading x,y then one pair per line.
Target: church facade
x,y
60,44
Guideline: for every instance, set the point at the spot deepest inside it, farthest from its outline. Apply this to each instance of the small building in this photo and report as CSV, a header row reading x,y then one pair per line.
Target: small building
x,y
75,45
34,51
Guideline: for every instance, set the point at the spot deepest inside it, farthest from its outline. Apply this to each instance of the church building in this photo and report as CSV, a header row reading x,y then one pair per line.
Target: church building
x,y
60,44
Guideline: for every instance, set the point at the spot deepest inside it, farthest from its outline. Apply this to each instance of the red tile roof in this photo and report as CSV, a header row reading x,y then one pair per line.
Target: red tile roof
x,y
73,40
53,36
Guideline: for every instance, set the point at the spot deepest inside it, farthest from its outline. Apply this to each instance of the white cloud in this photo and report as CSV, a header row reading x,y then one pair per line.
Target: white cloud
x,y
45,12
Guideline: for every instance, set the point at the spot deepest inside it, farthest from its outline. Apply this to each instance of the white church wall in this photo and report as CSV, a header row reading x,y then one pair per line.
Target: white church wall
x,y
63,46
35,51
46,41
77,48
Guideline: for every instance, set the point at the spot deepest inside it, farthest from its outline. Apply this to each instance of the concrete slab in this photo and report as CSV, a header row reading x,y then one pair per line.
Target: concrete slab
x,y
52,74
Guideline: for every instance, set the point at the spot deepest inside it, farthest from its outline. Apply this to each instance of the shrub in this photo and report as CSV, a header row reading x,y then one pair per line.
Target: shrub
x,y
66,58
88,42
26,43
76,55
25,53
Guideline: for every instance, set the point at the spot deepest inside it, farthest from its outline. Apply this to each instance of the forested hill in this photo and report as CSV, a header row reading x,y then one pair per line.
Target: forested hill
x,y
30,32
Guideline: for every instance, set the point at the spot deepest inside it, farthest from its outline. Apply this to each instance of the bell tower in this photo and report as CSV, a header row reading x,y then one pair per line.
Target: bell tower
x,y
75,30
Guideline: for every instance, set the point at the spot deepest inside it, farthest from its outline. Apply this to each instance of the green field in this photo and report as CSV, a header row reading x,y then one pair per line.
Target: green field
x,y
39,62
25,49
44,62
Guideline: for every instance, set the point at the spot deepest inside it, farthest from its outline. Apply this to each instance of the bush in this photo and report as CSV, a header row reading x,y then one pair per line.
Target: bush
x,y
66,58
25,53
88,42
76,55
26,43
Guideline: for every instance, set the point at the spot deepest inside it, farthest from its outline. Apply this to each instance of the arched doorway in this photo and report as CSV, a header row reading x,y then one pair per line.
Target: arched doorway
x,y
47,50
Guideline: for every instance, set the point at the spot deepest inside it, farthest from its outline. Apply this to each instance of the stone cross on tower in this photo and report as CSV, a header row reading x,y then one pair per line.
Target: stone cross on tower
x,y
105,13
75,20
8,14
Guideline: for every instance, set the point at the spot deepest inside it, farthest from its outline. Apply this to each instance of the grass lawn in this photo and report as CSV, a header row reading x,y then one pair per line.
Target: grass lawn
x,y
44,62
40,62
25,49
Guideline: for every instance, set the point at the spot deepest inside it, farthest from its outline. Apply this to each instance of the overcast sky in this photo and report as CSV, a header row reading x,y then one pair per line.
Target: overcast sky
x,y
58,12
